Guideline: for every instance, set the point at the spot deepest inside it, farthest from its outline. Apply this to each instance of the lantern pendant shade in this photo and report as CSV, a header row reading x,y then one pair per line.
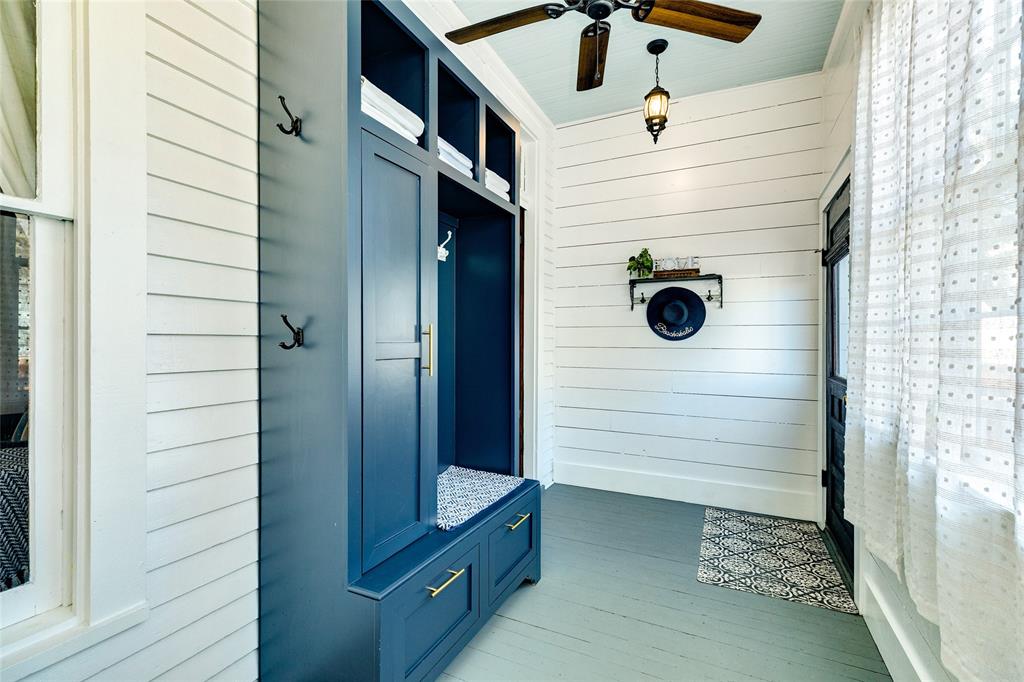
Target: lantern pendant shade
x,y
656,101
656,111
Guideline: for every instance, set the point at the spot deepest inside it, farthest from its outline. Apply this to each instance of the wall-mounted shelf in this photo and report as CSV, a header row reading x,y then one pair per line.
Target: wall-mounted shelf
x,y
690,278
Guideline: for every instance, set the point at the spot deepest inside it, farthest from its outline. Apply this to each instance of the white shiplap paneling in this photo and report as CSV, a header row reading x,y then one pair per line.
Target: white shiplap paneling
x,y
201,354
730,416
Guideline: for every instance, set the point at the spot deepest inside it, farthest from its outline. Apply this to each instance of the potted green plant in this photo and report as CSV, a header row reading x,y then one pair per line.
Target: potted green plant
x,y
641,265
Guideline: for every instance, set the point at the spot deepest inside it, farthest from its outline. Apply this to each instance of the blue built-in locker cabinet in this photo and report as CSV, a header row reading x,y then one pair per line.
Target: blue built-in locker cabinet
x,y
409,365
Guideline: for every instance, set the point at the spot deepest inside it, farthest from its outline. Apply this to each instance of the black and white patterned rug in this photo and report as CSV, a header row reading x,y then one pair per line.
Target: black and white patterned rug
x,y
775,557
14,565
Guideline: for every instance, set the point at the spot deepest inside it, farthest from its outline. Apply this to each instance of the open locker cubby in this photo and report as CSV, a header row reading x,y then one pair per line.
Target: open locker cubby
x,y
457,119
476,328
393,60
501,150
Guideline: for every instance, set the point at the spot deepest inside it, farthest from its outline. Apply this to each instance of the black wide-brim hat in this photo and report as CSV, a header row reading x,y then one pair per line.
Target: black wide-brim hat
x,y
675,313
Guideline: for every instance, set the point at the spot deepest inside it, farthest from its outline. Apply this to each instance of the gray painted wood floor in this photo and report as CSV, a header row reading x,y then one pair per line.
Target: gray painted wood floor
x,y
619,600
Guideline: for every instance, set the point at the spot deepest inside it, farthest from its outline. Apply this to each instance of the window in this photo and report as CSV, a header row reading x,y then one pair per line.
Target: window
x,y
84,226
15,364
18,98
34,336
33,393
841,330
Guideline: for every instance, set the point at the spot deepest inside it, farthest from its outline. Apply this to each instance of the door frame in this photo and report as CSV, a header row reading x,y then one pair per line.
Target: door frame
x,y
841,174
837,241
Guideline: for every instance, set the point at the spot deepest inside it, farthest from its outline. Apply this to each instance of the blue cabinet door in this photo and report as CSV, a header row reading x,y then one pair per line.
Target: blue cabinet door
x,y
399,252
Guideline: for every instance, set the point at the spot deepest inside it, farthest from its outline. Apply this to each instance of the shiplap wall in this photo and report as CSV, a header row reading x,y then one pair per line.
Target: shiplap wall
x,y
730,416
202,354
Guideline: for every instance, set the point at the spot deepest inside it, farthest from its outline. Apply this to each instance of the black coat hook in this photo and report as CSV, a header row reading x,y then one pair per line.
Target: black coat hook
x,y
298,336
296,123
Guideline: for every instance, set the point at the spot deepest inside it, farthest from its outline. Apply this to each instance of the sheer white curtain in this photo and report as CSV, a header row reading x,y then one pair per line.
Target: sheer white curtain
x,y
935,428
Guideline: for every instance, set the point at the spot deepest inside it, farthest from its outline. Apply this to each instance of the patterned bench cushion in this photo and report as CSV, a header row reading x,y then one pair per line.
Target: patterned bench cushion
x,y
463,493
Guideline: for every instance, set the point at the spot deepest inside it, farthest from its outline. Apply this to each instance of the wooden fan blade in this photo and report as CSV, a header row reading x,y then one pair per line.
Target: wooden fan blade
x,y
593,53
702,18
505,22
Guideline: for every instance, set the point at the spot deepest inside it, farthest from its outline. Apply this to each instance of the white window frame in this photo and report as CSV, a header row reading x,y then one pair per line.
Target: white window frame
x,y
49,550
92,171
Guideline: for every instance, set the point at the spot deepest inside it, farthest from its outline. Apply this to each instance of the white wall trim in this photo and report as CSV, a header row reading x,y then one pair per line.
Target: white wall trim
x,y
763,500
904,649
61,634
838,177
532,154
111,229
849,19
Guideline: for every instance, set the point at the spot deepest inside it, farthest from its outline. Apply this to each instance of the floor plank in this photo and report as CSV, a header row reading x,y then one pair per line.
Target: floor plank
x,y
619,600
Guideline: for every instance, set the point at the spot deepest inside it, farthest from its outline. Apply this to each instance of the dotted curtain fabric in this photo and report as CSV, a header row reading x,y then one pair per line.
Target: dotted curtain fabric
x,y
935,427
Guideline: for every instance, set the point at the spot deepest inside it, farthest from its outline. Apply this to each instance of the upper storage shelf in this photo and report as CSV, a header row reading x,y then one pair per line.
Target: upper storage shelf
x,y
408,63
394,61
458,118
500,152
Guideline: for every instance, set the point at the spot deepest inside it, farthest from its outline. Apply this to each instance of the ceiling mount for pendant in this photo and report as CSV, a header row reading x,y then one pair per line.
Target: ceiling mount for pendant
x,y
657,46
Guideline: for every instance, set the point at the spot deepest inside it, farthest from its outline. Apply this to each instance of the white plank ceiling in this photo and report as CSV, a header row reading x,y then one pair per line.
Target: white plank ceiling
x,y
792,39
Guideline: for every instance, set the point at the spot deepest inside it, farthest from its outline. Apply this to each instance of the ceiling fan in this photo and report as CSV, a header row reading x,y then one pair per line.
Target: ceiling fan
x,y
693,16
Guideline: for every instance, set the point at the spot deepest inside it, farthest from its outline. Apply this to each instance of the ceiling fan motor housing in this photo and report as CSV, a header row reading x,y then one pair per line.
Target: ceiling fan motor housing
x,y
600,9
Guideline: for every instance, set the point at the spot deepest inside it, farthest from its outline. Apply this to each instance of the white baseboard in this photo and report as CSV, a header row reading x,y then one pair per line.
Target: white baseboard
x,y
788,503
903,646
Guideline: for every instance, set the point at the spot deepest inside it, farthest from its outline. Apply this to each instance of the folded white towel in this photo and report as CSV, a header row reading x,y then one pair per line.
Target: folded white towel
x,y
380,116
387,104
454,163
446,147
503,195
498,190
496,183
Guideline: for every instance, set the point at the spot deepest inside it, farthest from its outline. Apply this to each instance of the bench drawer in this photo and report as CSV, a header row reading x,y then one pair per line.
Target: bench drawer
x,y
512,545
429,614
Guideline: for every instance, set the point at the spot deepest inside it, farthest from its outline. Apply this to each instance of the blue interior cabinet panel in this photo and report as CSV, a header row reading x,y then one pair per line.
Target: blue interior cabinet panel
x,y
409,363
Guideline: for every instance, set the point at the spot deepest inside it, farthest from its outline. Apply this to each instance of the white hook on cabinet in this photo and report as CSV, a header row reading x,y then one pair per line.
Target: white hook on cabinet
x,y
442,253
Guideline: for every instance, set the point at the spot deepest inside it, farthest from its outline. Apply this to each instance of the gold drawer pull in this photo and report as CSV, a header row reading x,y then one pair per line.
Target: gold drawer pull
x,y
434,591
522,517
429,333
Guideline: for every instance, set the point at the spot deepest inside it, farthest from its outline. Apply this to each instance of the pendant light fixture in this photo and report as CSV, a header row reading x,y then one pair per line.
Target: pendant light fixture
x,y
656,101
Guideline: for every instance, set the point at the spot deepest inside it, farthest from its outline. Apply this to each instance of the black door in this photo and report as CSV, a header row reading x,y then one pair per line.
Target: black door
x,y
837,268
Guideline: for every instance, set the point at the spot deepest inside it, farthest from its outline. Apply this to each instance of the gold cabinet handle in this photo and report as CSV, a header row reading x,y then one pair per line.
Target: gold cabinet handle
x,y
430,350
522,517
434,591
